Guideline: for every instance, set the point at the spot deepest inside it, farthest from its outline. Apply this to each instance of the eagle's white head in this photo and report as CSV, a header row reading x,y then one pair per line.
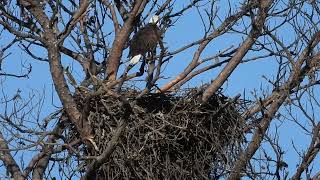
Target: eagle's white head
x,y
155,20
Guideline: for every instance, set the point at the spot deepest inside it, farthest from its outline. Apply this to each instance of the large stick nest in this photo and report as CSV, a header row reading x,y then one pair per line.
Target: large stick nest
x,y
167,136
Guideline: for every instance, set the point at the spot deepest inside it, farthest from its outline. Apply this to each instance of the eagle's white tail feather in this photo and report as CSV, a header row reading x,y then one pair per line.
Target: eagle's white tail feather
x,y
135,59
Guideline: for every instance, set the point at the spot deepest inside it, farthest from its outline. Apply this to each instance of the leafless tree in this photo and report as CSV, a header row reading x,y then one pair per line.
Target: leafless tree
x,y
96,35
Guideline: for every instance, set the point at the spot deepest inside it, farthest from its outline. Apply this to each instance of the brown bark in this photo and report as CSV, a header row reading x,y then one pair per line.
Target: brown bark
x,y
70,106
6,157
112,144
311,153
52,42
296,77
87,35
228,23
257,27
40,162
93,167
119,42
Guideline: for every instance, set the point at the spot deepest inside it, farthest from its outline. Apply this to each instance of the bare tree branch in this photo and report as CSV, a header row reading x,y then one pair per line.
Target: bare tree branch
x,y
257,26
293,81
10,163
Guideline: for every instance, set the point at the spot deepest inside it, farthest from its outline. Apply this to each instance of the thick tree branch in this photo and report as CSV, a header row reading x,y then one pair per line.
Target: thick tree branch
x,y
74,20
40,162
94,166
62,89
10,164
311,153
296,77
121,38
228,23
257,27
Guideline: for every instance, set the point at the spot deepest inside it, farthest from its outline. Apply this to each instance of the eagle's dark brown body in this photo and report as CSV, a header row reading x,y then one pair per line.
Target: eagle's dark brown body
x,y
145,40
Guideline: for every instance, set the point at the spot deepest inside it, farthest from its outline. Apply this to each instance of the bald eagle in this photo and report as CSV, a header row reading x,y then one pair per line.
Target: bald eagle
x,y
145,40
